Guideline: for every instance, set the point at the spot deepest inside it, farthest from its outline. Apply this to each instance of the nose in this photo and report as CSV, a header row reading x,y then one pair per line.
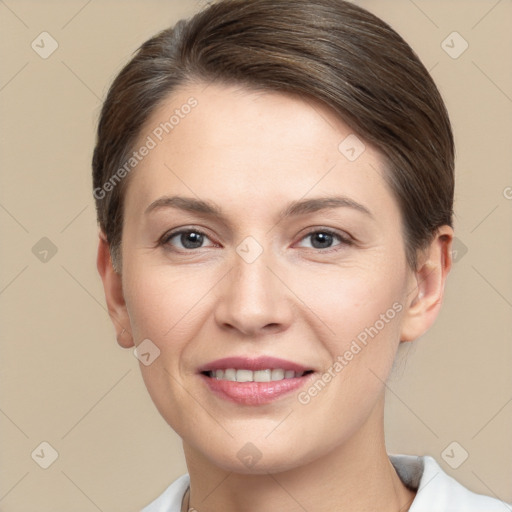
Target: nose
x,y
253,301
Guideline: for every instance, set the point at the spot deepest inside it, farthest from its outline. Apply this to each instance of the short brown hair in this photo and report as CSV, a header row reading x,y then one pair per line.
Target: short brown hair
x,y
329,50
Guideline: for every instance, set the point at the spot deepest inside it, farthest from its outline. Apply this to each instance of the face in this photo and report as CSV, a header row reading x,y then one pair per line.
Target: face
x,y
266,266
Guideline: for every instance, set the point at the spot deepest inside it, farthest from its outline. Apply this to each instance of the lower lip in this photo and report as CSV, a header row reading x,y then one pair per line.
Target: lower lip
x,y
254,393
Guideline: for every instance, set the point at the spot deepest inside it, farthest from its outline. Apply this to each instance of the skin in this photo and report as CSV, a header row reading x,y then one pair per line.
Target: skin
x,y
253,153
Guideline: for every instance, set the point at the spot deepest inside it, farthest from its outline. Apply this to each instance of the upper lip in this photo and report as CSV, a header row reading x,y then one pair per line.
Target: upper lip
x,y
248,363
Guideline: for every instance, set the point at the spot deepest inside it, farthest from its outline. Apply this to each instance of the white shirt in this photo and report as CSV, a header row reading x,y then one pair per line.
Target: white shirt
x,y
435,490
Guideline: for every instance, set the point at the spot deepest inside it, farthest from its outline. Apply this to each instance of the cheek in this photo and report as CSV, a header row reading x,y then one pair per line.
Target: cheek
x,y
164,302
360,308
359,312
167,306
349,300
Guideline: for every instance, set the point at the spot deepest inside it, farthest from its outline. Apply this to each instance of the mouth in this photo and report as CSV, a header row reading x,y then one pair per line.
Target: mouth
x,y
254,381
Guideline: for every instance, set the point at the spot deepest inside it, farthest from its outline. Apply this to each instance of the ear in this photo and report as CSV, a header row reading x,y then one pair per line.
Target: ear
x,y
113,286
427,285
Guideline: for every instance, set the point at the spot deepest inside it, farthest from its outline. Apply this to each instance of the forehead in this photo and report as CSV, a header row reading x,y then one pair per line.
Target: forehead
x,y
235,144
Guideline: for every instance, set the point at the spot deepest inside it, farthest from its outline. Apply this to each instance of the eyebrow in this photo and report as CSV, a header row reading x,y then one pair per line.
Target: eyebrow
x,y
322,203
295,208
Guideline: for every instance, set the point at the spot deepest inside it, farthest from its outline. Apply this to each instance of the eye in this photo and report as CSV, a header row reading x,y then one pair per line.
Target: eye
x,y
186,239
323,239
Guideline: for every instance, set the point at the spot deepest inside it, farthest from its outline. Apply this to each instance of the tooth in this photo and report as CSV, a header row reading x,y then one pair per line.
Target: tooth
x,y
244,376
277,374
230,374
262,375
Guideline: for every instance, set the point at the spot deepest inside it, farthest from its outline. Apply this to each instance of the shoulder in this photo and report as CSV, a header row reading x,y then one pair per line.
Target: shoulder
x,y
438,492
170,500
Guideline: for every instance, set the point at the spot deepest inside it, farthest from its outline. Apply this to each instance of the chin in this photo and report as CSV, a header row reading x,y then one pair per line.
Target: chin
x,y
260,457
263,466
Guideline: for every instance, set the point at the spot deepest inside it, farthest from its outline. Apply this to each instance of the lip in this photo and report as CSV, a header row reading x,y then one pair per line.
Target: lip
x,y
248,363
254,393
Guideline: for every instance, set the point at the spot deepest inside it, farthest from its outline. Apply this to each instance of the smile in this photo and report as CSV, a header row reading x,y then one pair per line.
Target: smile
x,y
248,381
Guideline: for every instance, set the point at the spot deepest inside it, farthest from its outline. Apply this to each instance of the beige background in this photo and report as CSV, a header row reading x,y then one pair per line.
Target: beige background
x,y
64,379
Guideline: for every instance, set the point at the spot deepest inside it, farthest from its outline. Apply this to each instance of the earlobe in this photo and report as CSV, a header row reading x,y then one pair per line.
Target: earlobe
x,y
113,287
426,294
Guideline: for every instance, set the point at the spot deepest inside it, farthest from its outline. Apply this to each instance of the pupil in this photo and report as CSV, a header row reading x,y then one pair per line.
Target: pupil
x,y
191,240
321,240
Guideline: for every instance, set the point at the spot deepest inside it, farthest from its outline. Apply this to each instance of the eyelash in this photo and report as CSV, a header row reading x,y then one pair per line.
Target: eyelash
x,y
343,240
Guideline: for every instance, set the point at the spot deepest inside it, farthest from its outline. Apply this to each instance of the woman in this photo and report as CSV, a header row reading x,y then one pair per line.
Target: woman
x,y
274,188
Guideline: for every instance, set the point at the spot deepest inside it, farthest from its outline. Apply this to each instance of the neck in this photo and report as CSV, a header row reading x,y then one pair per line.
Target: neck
x,y
354,476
